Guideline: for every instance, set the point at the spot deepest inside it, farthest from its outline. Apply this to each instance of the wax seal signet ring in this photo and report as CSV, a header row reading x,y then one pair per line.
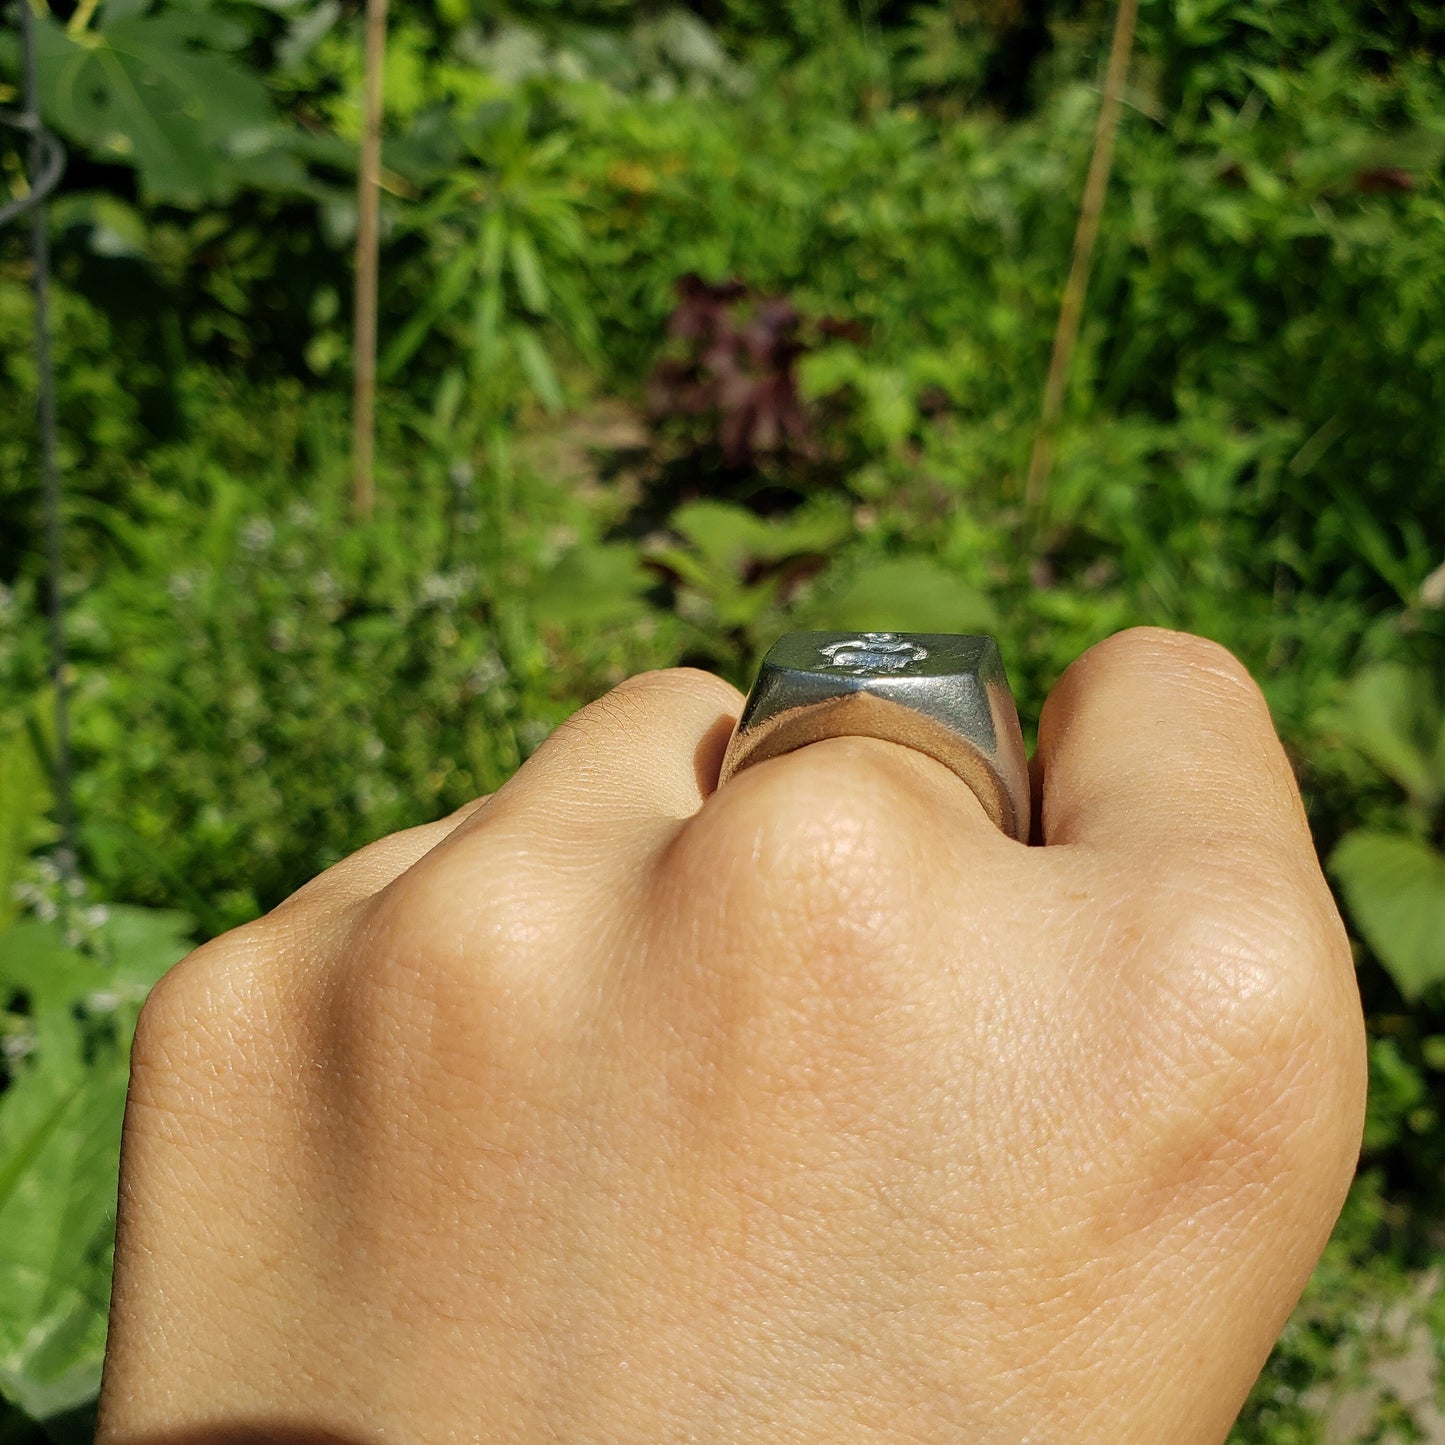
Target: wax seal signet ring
x,y
943,694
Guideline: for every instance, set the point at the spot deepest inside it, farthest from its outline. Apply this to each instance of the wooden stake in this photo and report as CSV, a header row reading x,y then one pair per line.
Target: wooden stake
x,y
1071,308
368,197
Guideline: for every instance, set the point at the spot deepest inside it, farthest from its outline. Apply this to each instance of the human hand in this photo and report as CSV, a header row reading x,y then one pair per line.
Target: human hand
x,y
810,1109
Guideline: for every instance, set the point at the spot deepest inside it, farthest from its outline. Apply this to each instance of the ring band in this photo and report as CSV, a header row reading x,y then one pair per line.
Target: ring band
x,y
943,694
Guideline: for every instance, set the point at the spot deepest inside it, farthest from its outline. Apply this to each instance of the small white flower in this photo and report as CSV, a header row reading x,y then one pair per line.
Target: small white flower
x,y
17,1046
257,534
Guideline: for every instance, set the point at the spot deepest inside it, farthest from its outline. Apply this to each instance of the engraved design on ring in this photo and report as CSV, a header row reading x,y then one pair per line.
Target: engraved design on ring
x,y
873,652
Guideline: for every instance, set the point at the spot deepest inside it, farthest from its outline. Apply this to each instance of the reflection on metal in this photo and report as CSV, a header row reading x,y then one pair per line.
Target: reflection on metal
x,y
46,163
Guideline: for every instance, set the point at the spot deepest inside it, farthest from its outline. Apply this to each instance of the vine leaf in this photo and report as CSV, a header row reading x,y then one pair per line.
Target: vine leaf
x,y
154,89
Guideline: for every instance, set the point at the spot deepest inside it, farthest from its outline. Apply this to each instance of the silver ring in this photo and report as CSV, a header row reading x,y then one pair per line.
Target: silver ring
x,y
943,694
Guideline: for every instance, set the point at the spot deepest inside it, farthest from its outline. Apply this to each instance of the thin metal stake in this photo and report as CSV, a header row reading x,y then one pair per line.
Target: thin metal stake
x,y
45,163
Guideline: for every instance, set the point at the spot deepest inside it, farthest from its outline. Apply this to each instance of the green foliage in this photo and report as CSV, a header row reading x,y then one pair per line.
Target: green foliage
x,y
1393,883
1393,715
504,248
229,728
1250,449
1394,887
73,976
162,90
67,1019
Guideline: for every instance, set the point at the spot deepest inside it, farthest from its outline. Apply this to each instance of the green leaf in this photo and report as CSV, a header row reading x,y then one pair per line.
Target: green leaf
x,y
907,594
1392,715
527,270
60,1123
486,319
151,89
538,367
492,242
115,227
447,292
1394,889
59,1144
732,538
144,943
36,960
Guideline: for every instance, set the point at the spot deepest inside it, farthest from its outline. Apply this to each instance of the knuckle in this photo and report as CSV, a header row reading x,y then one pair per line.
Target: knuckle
x,y
466,953
681,682
199,1009
637,701
1262,1004
814,859
823,830
1241,1057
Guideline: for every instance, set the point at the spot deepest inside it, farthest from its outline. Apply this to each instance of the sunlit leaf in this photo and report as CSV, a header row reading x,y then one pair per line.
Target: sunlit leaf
x,y
1394,890
538,367
1391,713
907,594
527,270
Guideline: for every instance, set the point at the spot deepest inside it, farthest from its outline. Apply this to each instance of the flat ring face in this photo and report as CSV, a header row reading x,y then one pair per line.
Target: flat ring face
x,y
943,694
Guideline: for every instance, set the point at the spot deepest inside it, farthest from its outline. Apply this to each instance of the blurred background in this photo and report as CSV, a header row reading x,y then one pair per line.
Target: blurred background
x,y
696,324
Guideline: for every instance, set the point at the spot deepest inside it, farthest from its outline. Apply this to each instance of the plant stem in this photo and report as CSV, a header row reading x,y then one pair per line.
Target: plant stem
x,y
368,200
78,22
1071,308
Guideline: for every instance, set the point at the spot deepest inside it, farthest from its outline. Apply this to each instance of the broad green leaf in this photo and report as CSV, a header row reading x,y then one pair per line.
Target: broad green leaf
x,y
144,943
733,537
723,534
906,594
56,1231
151,89
36,960
1394,890
1392,714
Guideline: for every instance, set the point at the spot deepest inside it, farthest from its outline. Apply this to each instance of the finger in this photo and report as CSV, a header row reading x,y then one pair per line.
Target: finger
x,y
1158,743
371,868
617,775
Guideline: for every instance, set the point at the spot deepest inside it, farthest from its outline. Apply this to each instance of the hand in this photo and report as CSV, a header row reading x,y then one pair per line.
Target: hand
x,y
811,1109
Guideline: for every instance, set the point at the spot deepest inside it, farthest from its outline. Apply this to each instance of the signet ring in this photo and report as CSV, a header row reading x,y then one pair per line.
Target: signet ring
x,y
943,694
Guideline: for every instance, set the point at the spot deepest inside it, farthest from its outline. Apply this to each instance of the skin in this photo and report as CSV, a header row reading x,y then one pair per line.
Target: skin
x,y
622,1108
